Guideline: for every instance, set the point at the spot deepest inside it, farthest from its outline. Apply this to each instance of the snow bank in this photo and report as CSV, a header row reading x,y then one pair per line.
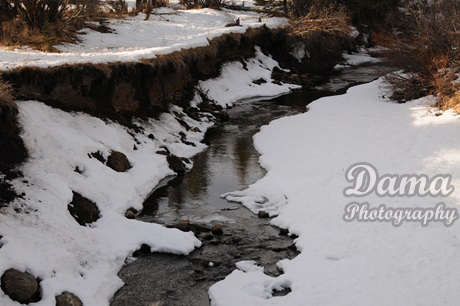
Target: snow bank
x,y
44,239
358,58
135,38
39,234
353,263
236,82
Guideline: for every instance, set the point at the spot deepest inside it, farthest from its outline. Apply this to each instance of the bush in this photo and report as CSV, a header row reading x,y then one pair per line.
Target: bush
x,y
41,23
370,13
322,19
7,10
363,13
190,4
39,13
8,110
427,52
12,149
6,96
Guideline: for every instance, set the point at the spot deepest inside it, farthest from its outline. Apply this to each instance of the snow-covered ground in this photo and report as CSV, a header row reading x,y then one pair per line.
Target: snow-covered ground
x,y
353,263
134,38
39,234
43,238
359,58
236,82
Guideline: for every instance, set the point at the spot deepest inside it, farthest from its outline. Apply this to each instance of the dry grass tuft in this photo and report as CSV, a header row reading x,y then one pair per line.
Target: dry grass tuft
x,y
331,19
8,109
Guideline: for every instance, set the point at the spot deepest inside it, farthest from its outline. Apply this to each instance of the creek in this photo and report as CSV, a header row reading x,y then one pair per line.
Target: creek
x,y
230,163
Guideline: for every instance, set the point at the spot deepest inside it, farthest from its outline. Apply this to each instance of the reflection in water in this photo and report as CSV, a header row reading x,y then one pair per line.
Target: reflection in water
x,y
231,162
242,156
198,177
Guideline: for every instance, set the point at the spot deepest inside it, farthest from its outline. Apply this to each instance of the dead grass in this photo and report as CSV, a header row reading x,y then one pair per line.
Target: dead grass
x,y
427,53
8,109
12,149
17,33
331,19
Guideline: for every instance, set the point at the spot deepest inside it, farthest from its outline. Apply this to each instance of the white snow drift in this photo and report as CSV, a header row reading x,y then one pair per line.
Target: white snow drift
x,y
236,82
39,234
344,263
42,237
134,38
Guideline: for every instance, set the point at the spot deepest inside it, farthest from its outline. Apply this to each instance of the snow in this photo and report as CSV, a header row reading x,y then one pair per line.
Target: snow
x,y
46,241
39,234
353,263
358,58
248,266
236,82
134,38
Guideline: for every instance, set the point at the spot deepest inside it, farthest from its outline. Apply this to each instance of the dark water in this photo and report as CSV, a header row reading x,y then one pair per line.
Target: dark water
x,y
230,163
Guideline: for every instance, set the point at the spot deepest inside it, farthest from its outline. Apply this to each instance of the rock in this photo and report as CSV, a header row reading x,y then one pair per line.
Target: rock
x,y
175,163
183,225
68,299
20,286
198,229
130,213
217,229
214,242
284,231
83,210
97,155
183,123
118,162
145,249
208,237
236,240
195,129
259,81
235,254
222,116
151,136
263,214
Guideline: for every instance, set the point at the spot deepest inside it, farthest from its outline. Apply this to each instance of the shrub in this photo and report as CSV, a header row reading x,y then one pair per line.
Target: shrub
x,y
189,4
38,13
322,19
40,23
371,13
7,10
6,97
363,13
427,52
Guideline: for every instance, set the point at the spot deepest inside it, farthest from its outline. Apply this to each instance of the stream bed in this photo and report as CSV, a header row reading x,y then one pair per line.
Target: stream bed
x,y
229,232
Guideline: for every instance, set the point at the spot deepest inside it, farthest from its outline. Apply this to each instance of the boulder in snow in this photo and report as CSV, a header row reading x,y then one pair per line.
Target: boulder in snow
x,y
20,286
175,163
118,162
83,210
68,299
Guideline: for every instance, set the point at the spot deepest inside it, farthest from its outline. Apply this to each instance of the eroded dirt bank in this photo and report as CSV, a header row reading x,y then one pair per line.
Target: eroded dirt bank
x,y
120,91
146,88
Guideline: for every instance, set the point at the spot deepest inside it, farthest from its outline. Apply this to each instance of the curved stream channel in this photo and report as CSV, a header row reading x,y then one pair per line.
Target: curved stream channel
x,y
230,163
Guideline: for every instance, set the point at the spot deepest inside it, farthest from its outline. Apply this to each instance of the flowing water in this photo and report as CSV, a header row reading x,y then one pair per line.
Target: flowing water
x,y
230,163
